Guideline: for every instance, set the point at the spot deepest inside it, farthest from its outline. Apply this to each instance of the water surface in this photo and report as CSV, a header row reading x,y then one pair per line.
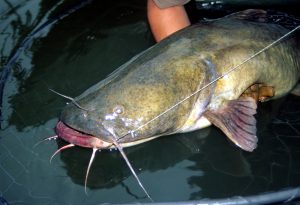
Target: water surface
x,y
79,50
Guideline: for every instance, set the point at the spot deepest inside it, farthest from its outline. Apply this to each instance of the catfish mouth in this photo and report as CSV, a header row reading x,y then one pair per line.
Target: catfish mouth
x,y
79,138
83,139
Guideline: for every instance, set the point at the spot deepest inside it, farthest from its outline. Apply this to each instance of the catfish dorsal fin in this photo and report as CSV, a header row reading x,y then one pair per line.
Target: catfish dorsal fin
x,y
236,119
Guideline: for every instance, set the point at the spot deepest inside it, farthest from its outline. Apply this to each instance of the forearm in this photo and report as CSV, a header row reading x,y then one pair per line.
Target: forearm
x,y
164,22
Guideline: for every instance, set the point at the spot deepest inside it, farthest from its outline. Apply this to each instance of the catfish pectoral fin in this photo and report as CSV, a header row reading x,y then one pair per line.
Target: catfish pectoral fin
x,y
236,119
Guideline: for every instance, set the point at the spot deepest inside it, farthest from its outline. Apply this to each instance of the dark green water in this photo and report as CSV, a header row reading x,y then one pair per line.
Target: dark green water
x,y
78,51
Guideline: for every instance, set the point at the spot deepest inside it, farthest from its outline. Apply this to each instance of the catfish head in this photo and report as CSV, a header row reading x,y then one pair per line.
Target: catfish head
x,y
140,101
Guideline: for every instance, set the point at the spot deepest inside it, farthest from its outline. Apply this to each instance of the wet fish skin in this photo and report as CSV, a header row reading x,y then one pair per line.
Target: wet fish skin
x,y
168,72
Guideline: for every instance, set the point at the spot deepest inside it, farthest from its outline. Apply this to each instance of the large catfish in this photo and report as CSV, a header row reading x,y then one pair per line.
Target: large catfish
x,y
156,92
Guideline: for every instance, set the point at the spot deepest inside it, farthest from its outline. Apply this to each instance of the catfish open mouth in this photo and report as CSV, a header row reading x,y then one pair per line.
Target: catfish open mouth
x,y
79,138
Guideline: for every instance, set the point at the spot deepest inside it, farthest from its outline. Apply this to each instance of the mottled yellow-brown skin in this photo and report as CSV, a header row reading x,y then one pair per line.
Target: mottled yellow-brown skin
x,y
168,72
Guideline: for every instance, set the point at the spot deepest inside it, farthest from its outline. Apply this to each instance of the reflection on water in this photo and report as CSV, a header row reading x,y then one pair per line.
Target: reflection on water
x,y
78,51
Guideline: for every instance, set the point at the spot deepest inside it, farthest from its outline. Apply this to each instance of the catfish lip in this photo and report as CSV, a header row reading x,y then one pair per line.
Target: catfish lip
x,y
79,138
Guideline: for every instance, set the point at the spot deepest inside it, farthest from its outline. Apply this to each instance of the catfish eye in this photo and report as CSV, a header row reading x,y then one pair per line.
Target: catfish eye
x,y
118,109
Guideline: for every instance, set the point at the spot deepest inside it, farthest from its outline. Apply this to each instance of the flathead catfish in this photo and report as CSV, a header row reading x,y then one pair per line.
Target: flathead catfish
x,y
156,92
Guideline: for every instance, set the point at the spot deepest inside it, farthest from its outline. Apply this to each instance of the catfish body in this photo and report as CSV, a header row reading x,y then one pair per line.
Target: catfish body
x,y
135,100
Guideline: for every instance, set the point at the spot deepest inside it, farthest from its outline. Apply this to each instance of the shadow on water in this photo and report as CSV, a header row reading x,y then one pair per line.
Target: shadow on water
x,y
76,52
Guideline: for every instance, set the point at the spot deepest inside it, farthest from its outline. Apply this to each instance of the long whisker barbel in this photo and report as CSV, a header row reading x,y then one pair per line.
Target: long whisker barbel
x,y
119,147
59,150
54,137
69,98
213,81
89,167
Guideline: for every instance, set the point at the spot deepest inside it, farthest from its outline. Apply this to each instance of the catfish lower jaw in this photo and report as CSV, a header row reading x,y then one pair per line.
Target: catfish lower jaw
x,y
79,138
